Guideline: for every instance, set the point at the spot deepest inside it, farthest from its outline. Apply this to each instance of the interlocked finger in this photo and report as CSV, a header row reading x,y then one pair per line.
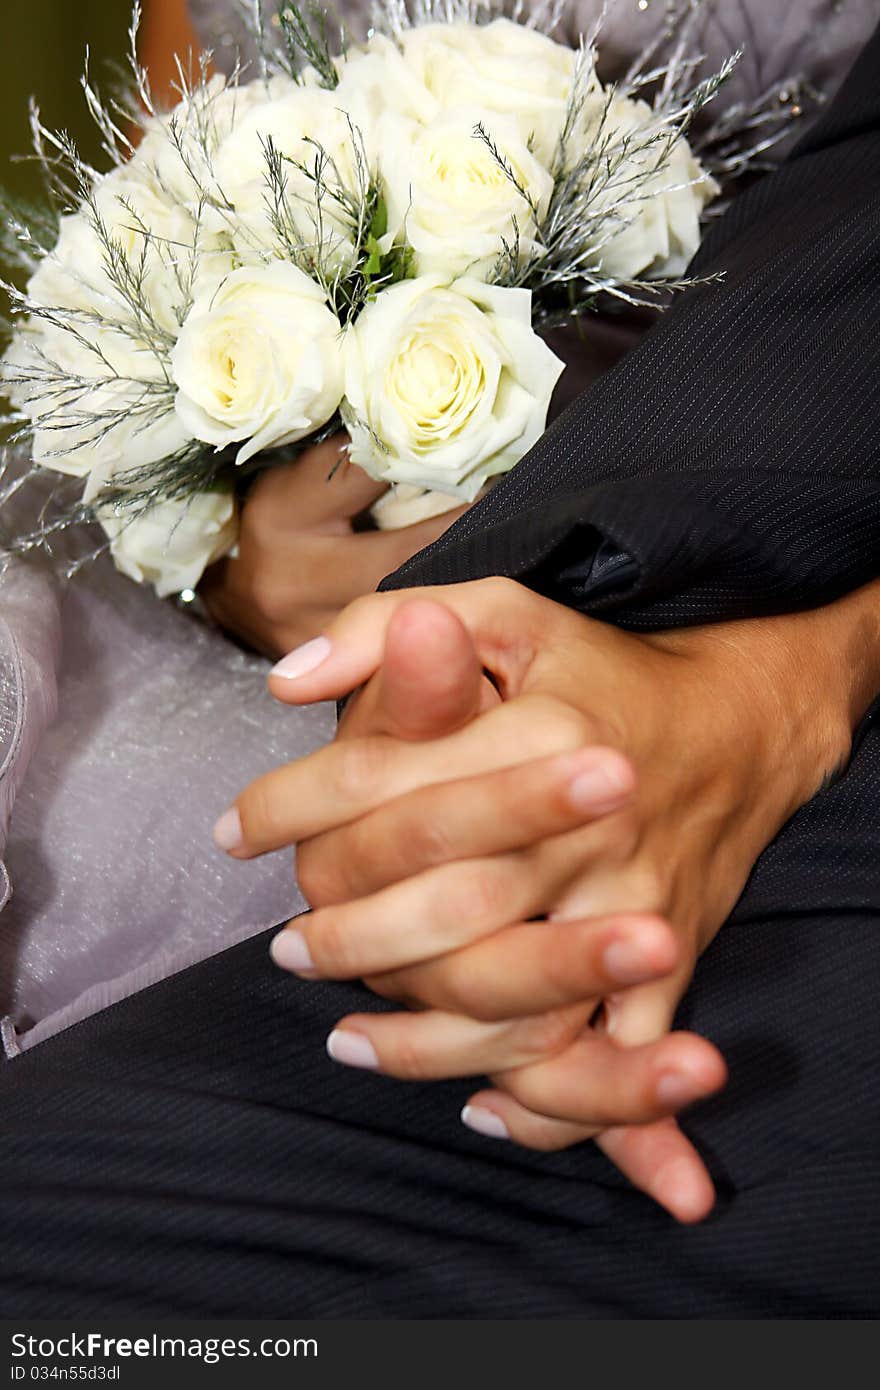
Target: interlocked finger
x,y
534,967
453,906
597,1082
431,1045
469,818
349,778
657,1158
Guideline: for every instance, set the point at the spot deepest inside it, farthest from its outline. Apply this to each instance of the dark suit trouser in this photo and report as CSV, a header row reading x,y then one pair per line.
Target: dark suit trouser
x,y
193,1151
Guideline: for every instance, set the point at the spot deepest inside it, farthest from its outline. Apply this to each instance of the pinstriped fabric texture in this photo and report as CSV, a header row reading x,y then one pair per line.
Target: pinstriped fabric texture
x,y
192,1151
731,464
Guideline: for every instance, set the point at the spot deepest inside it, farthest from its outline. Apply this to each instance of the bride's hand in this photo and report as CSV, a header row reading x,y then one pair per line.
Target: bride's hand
x,y
299,559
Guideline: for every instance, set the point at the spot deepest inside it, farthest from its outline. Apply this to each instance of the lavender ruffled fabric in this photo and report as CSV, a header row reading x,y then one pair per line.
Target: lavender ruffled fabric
x,y
126,727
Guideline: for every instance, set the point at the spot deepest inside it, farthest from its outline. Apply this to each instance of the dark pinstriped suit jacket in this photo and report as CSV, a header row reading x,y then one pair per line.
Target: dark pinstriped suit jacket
x,y
731,464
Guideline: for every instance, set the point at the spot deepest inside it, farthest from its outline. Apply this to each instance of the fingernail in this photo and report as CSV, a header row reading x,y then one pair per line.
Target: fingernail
x,y
600,787
302,659
624,960
484,1122
676,1088
352,1049
290,950
227,834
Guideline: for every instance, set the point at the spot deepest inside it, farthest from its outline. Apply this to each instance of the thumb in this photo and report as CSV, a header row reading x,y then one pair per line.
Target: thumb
x,y
431,681
498,613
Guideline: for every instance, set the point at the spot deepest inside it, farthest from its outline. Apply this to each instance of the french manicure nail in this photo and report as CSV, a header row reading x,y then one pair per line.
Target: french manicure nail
x,y
676,1088
302,659
352,1049
601,787
624,960
484,1122
227,834
290,950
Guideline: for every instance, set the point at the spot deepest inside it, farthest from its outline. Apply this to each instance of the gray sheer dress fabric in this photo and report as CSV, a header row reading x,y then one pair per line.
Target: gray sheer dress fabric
x,y
126,727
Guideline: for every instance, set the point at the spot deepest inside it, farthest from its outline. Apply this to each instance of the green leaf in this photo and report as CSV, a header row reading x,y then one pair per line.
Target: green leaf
x,y
379,224
373,263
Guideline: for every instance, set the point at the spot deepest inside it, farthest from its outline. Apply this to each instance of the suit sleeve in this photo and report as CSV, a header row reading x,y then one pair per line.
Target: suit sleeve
x,y
730,465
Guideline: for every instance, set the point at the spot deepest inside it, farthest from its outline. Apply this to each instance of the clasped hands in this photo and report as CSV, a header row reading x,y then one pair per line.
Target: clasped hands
x,y
528,828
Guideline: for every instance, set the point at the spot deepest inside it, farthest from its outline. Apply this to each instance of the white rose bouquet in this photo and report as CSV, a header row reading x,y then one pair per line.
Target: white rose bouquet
x,y
372,239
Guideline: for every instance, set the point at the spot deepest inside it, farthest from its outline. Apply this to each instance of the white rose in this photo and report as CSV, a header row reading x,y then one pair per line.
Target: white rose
x,y
375,78
157,241
258,360
172,543
456,204
154,241
125,428
178,146
156,235
68,277
446,385
657,231
297,124
143,437
77,426
88,387
501,67
153,238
